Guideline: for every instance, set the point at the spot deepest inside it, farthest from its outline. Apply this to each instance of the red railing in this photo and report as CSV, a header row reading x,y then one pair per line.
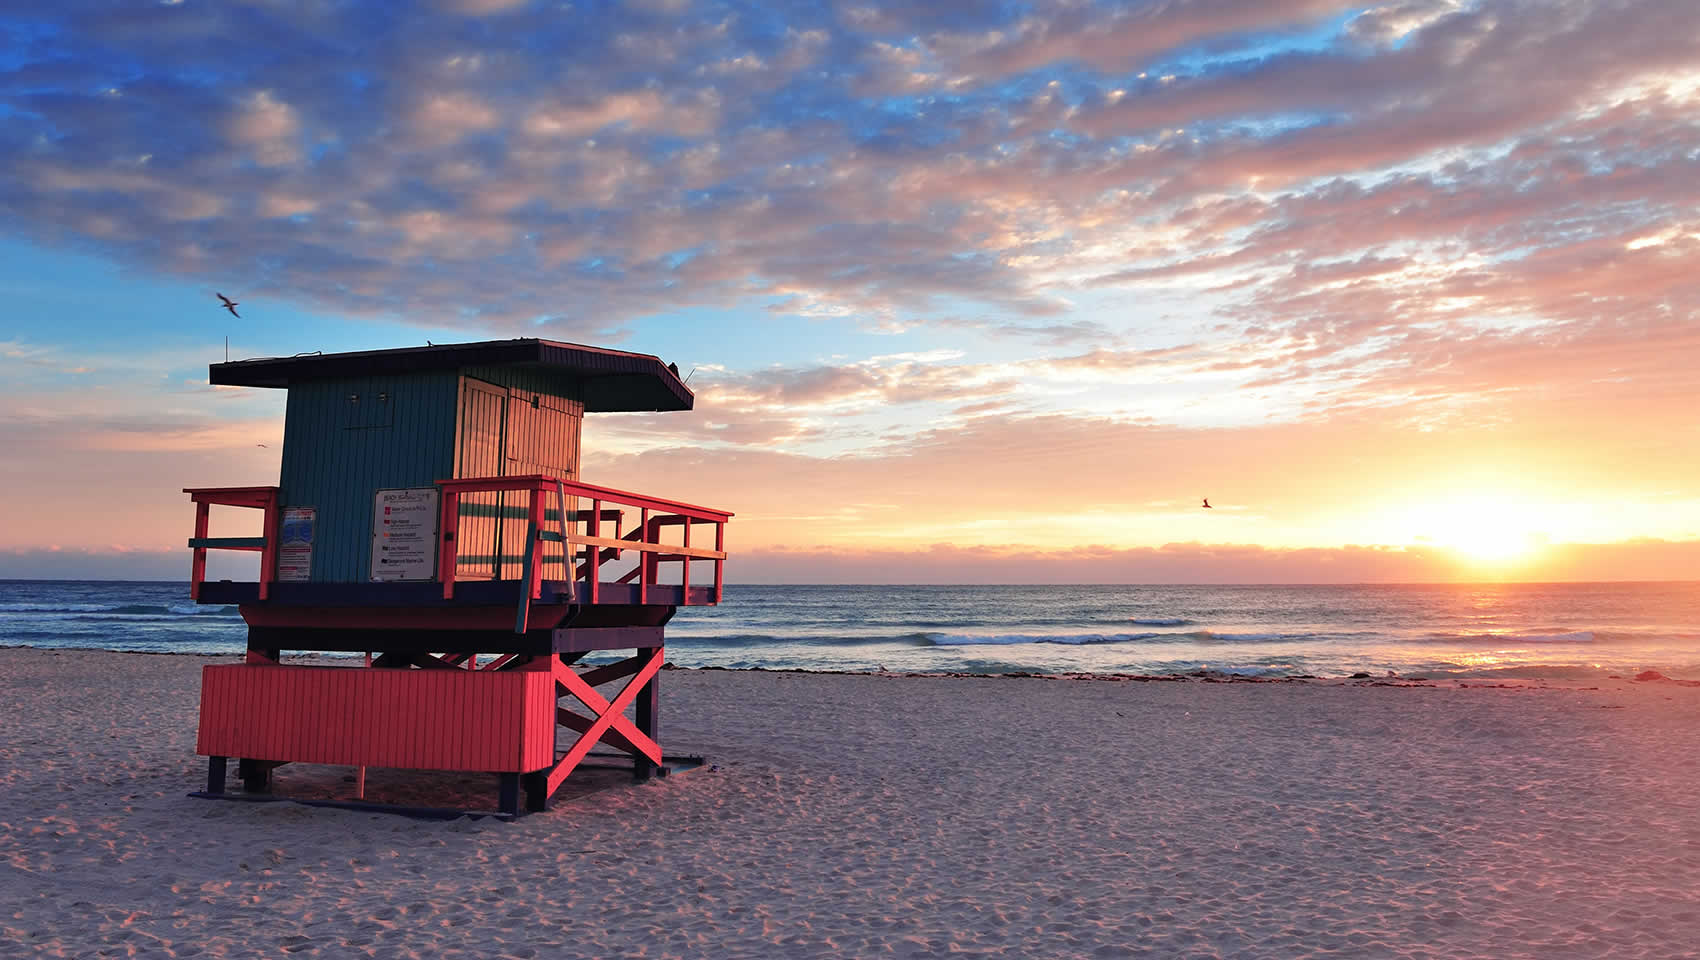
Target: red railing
x,y
259,498
574,528
645,539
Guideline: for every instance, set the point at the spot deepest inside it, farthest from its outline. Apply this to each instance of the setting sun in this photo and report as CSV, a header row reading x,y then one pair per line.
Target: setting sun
x,y
1485,532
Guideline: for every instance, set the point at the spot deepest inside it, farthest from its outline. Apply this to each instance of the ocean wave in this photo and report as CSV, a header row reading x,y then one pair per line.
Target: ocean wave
x,y
83,610
911,639
1477,639
54,607
1087,639
1161,622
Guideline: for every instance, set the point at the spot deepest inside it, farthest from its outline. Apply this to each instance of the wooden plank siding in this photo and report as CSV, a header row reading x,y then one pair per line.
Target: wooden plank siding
x,y
478,453
471,720
338,452
345,439
512,422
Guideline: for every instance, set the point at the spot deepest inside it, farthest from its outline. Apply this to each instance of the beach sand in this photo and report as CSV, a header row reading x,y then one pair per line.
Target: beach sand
x,y
892,816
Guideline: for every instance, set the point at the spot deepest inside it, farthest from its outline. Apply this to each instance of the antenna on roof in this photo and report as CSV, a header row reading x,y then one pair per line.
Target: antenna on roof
x,y
688,375
227,348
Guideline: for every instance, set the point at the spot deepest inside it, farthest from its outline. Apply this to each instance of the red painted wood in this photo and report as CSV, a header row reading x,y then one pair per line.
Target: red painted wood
x,y
477,722
540,706
447,545
359,734
523,748
504,738
238,708
644,577
379,718
411,745
504,724
594,529
535,517
198,563
288,707
379,730
543,617
685,565
212,708
232,496
462,748
263,498
719,565
609,714
268,553
539,481
257,701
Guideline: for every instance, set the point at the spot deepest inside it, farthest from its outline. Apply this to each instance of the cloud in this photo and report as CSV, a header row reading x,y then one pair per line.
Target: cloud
x,y
871,165
1119,41
269,127
1176,243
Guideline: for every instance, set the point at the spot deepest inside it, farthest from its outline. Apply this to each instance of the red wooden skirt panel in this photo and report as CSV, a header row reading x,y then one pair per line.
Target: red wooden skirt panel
x,y
417,719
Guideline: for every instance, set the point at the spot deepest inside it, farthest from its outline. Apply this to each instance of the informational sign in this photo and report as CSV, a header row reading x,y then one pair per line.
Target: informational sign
x,y
295,544
404,534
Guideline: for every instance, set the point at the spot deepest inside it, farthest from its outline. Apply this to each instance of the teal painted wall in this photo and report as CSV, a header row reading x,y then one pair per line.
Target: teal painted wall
x,y
338,453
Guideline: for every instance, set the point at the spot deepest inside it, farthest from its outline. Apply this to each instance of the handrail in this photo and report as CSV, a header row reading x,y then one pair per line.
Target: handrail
x,y
578,565
644,539
259,498
538,481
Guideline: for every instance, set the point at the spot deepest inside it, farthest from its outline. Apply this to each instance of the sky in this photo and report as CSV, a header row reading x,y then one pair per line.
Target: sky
x,y
967,292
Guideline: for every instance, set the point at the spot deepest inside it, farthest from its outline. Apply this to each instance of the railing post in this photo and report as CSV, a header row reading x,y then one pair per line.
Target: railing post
x,y
595,552
719,562
268,553
448,549
643,559
198,561
566,544
534,585
685,562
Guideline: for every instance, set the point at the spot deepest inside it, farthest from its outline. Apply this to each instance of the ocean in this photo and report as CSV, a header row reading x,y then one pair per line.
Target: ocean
x,y
1569,630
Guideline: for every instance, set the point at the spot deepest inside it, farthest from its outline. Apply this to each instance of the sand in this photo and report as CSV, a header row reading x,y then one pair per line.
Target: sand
x,y
851,816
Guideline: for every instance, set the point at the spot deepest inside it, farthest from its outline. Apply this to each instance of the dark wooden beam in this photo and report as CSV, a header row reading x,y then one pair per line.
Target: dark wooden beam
x,y
580,723
648,718
596,676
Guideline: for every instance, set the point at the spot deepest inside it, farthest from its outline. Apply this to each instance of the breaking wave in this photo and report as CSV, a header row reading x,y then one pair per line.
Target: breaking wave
x,y
121,609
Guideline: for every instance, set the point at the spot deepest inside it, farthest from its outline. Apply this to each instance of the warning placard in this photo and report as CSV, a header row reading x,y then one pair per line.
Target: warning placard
x,y
295,545
404,534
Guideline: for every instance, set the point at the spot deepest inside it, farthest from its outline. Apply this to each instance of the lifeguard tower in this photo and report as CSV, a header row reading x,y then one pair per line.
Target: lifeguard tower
x,y
430,513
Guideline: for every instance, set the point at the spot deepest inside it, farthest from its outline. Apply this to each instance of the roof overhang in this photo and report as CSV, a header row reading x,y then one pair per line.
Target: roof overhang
x,y
613,380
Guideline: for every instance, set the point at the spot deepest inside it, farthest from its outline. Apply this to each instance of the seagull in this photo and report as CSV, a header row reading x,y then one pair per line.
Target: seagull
x,y
1207,505
229,304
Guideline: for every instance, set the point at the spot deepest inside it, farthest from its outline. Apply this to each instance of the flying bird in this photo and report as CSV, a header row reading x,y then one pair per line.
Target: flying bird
x,y
230,305
1207,505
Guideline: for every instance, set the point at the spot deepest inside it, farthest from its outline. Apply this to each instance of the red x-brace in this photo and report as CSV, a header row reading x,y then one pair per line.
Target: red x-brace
x,y
610,716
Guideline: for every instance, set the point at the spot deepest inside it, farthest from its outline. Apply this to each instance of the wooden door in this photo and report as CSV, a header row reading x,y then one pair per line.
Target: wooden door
x,y
478,453
541,438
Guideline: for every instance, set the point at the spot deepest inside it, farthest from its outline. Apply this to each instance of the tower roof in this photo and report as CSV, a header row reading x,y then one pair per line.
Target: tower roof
x,y
614,380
